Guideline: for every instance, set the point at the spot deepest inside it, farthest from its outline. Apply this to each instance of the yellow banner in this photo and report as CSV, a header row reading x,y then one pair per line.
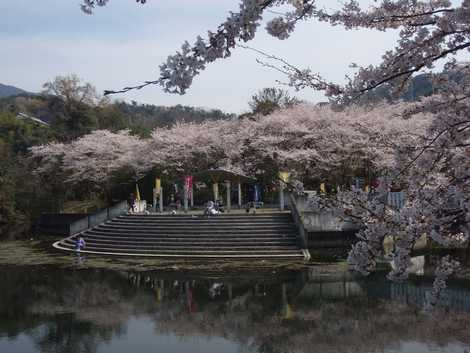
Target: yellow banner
x,y
284,176
158,185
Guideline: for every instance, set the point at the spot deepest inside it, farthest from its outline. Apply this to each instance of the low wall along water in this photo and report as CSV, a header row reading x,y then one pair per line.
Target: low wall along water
x,y
68,224
323,229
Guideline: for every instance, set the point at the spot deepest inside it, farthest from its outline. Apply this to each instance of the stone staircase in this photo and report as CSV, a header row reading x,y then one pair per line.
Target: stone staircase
x,y
263,236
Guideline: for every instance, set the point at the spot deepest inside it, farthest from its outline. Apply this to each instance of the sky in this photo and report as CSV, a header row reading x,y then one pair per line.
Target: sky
x,y
124,43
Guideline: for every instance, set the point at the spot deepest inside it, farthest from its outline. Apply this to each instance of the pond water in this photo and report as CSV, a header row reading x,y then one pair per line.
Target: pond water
x,y
46,309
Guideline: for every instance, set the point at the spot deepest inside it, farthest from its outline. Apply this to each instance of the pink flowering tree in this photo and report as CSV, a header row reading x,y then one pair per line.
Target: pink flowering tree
x,y
192,147
323,143
93,159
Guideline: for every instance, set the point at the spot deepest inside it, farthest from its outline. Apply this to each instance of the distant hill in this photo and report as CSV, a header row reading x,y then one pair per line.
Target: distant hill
x,y
7,91
151,116
419,86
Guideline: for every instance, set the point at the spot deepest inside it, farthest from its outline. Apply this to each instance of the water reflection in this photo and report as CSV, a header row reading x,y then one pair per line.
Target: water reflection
x,y
52,310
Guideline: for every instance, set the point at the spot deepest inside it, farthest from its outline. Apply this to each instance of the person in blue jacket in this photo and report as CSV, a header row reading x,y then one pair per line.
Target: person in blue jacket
x,y
80,243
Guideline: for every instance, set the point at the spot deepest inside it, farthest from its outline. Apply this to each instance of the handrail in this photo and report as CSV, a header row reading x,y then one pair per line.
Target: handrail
x,y
298,222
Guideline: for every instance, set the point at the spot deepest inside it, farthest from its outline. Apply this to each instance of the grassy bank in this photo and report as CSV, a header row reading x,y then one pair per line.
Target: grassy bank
x,y
40,252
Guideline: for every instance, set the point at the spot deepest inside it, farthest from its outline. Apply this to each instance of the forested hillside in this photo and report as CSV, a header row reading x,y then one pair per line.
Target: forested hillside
x,y
71,119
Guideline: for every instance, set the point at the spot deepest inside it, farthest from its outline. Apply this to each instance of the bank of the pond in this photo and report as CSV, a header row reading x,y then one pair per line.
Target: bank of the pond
x,y
324,262
40,252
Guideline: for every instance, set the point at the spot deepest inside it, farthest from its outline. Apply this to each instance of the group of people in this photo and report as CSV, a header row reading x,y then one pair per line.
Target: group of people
x,y
212,208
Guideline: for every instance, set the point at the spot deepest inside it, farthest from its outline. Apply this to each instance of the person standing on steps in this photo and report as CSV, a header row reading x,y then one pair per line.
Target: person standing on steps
x,y
80,243
131,203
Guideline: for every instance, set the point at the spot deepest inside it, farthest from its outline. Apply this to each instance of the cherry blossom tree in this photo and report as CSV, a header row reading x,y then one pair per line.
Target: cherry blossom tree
x,y
191,147
94,157
323,142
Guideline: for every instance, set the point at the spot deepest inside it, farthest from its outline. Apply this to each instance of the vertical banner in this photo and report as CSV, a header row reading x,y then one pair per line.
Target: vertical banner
x,y
257,196
188,182
158,185
215,189
284,176
137,193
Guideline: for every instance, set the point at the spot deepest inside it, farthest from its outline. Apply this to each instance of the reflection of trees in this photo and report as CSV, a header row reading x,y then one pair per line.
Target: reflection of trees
x,y
66,334
327,316
67,311
76,311
356,326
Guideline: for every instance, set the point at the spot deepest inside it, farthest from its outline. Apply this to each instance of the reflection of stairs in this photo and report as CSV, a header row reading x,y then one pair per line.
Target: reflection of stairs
x,y
268,235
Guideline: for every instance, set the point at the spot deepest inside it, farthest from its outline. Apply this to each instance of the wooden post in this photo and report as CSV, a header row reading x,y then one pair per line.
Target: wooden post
x,y
239,194
161,200
229,201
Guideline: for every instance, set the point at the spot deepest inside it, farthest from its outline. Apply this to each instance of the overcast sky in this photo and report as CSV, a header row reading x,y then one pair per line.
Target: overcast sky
x,y
123,44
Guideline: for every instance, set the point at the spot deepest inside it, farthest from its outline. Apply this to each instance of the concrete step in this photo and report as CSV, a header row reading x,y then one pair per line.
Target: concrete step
x,y
197,225
194,231
193,237
186,237
223,214
193,247
189,240
204,222
219,218
190,246
189,252
186,240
